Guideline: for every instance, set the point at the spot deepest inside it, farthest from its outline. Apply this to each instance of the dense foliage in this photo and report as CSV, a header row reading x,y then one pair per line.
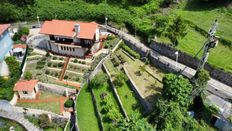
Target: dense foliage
x,y
69,103
120,77
136,123
99,80
130,51
176,89
28,75
8,84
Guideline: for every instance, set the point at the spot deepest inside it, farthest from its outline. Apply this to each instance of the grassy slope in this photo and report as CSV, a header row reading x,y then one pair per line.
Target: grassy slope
x,y
220,57
127,96
6,124
87,120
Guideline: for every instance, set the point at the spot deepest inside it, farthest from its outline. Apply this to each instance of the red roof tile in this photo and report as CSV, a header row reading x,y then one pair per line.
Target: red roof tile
x,y
66,28
3,27
25,85
23,46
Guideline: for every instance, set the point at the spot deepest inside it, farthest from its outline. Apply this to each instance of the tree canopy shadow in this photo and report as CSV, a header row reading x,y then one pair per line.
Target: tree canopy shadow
x,y
200,5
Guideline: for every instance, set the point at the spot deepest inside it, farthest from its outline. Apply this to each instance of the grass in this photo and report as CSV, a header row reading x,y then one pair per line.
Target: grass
x,y
47,106
111,99
127,96
149,85
203,15
6,124
87,120
47,94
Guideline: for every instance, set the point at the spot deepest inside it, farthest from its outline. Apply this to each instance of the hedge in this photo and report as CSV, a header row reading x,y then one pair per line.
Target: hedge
x,y
130,51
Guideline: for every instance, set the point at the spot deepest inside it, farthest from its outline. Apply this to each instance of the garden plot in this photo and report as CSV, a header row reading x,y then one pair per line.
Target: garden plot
x,y
147,78
127,96
106,103
45,101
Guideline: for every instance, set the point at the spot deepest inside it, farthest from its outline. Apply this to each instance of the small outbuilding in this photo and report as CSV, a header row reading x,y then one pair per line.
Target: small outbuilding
x,y
26,89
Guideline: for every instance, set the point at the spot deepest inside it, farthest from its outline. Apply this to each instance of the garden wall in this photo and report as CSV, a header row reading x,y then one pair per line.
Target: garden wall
x,y
56,89
116,93
147,106
192,62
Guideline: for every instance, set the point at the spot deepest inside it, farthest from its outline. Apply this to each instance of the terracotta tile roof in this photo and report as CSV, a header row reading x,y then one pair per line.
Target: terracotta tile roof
x,y
23,46
66,28
25,85
3,27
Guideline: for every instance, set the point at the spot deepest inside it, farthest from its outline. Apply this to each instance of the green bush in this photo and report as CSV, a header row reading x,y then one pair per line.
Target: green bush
x,y
66,77
130,51
47,72
44,121
49,64
69,103
61,58
75,61
28,75
60,64
55,64
54,58
77,79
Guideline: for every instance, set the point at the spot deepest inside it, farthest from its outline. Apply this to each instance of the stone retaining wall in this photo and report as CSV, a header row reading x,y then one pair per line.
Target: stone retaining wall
x,y
147,106
192,62
55,89
116,93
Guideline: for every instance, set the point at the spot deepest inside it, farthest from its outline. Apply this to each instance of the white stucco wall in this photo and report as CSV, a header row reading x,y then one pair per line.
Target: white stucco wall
x,y
97,34
30,95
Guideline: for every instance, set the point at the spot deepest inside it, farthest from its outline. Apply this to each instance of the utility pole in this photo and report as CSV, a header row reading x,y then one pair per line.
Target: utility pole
x,y
210,43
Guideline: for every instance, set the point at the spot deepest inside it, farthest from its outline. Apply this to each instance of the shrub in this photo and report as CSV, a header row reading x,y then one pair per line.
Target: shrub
x,y
28,75
54,58
65,77
110,37
56,74
48,54
47,72
75,61
61,58
130,51
60,64
68,103
77,79
44,121
49,64
99,79
55,65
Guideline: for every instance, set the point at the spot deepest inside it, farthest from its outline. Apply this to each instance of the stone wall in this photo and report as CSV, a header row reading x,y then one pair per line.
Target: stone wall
x,y
116,93
192,62
142,51
147,106
56,89
14,99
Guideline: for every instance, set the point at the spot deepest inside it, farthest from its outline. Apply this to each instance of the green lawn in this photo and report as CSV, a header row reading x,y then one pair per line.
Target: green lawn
x,y
47,94
87,120
220,57
6,124
47,106
203,15
127,96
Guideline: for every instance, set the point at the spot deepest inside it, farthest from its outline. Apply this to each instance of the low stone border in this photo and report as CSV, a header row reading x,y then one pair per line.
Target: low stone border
x,y
116,93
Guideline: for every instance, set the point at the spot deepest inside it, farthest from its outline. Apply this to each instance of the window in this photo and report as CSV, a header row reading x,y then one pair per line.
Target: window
x,y
73,49
61,47
25,92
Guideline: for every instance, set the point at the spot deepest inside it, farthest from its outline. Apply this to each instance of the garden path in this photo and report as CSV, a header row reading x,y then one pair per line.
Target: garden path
x,y
64,68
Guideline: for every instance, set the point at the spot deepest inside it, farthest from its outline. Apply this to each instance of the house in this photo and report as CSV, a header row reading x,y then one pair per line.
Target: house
x,y
5,48
19,51
26,89
71,38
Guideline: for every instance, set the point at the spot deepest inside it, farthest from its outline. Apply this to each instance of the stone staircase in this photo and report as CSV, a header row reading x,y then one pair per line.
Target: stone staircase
x,y
64,68
20,119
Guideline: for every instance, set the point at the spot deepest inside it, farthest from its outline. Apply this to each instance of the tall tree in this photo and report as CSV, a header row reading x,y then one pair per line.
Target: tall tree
x,y
177,30
176,89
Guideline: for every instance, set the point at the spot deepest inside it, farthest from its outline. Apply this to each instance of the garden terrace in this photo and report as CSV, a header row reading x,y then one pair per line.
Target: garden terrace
x,y
87,120
147,78
73,76
111,42
127,96
106,91
44,101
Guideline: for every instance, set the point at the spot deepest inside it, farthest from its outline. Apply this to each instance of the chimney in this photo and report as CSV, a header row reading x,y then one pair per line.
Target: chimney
x,y
77,28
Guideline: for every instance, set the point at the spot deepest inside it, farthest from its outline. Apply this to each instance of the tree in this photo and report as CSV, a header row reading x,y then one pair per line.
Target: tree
x,y
13,65
28,75
120,78
200,80
176,89
135,123
167,116
176,30
99,80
